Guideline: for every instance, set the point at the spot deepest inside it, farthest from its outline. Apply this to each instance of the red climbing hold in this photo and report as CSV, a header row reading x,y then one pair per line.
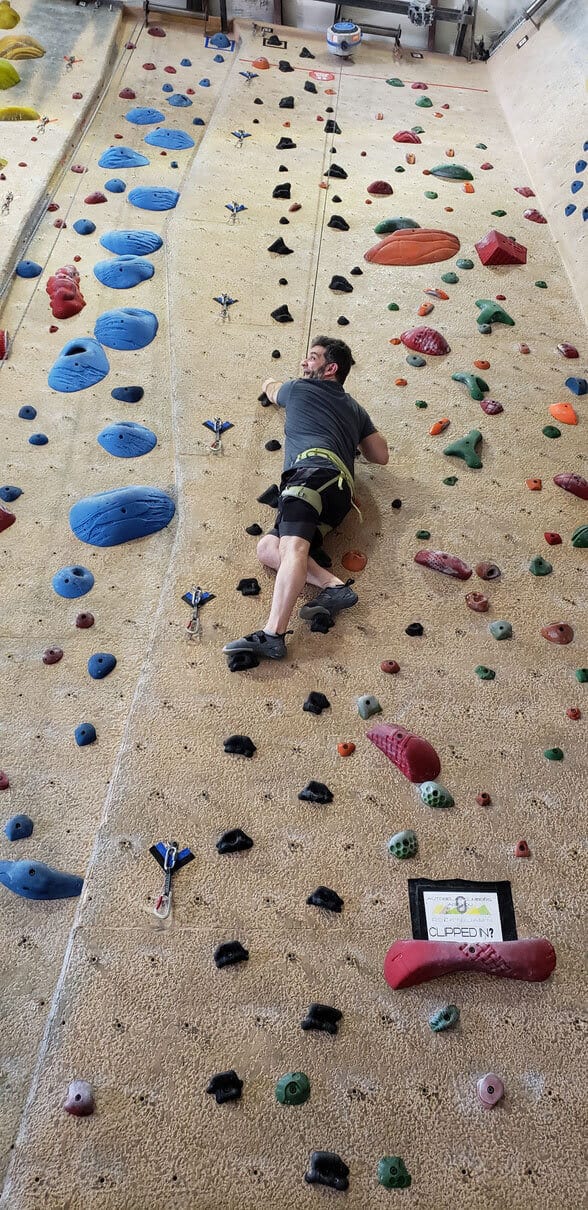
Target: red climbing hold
x,y
486,166
572,483
4,344
477,602
59,223
127,94
156,31
419,84
4,782
94,199
354,560
410,962
553,539
78,168
497,249
522,849
76,96
483,799
425,340
558,632
406,136
573,712
149,66
439,560
567,350
390,666
380,188
6,519
491,407
414,756
534,216
171,71
52,207
524,190
64,291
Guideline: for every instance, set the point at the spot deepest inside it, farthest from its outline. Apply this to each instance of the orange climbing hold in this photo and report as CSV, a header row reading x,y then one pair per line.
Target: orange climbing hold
x,y
434,292
409,246
261,64
354,560
482,365
534,485
523,348
345,748
425,309
563,412
395,341
400,382
410,157
450,153
468,187
439,427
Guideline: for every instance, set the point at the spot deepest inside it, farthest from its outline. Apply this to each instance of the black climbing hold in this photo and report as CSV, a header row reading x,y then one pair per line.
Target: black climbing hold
x,y
256,121
338,223
341,284
415,629
323,1017
322,622
229,953
356,272
324,897
287,103
270,496
264,401
285,144
282,315
305,53
254,529
329,109
273,40
342,321
234,841
273,445
282,190
316,791
249,586
225,1086
327,1168
309,86
278,245
397,504
242,661
258,101
284,221
316,702
283,65
282,168
240,745
128,394
336,198
336,171
331,127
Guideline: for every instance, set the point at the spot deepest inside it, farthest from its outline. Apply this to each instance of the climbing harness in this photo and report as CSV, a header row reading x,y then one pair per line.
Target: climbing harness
x,y
218,427
312,495
195,599
171,859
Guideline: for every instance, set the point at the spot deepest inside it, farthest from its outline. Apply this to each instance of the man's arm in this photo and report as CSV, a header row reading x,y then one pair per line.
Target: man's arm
x,y
375,448
271,387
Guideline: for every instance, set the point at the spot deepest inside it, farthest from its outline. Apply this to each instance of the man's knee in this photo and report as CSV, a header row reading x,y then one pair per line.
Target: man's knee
x,y
268,549
293,547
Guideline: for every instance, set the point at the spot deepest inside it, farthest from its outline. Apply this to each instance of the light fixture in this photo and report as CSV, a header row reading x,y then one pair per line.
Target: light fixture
x,y
415,54
522,41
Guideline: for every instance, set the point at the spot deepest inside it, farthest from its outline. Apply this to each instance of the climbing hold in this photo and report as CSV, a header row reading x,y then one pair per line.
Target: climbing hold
x,y
484,673
414,756
327,1168
19,827
415,630
540,567
18,113
425,340
395,82
392,1173
249,586
293,1088
325,898
10,493
465,448
273,445
101,665
340,284
115,185
28,268
500,630
573,712
282,315
280,248
553,753
52,655
84,226
563,412
93,199
368,705
483,799
430,193
38,439
486,166
579,386
465,263
435,795
322,1017
234,841
572,483
580,537
338,223
439,560
72,582
451,172
121,515
80,1099
225,1086
389,225
444,1018
173,140
240,745
84,621
497,249
126,328
558,632
534,485
354,560
158,198
490,1090
415,359
438,427
282,191
229,954
124,272
491,314
549,430
8,74
476,385
424,103
524,190
390,666
85,734
134,243
553,539
181,100
81,363
140,116
128,394
491,407
421,403
63,288
403,844
6,519
35,880
346,748
380,189
534,216
522,849
410,246
316,791
487,571
335,171
316,703
541,285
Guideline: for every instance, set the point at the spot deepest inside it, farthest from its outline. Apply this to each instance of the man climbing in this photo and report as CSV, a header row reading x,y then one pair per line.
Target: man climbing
x,y
324,426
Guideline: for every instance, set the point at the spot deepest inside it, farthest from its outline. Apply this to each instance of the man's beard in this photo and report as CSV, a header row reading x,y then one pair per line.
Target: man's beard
x,y
313,374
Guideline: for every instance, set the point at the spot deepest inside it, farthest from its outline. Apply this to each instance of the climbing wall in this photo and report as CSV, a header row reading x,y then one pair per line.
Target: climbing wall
x,y
134,1004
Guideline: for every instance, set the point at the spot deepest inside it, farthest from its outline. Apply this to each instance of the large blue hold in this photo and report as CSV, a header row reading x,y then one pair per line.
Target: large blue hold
x,y
135,243
101,664
122,157
121,515
19,827
8,493
141,116
81,364
128,394
127,439
35,880
85,734
84,226
180,100
72,582
115,185
126,328
28,268
124,272
39,439
27,412
578,385
158,198
175,140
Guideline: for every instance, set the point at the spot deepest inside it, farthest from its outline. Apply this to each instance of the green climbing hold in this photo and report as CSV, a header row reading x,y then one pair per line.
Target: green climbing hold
x,y
476,385
549,430
464,263
466,448
542,285
482,146
580,537
491,313
415,359
431,193
393,307
395,82
450,481
540,567
392,1173
389,225
501,630
451,172
553,754
420,403
418,129
435,795
485,674
403,844
368,705
450,278
400,169
293,1088
498,213
424,103
423,533
581,675
444,1018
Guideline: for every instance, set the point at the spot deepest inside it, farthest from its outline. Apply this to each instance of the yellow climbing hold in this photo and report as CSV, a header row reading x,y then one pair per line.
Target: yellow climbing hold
x,y
8,74
20,46
3,163
18,113
8,17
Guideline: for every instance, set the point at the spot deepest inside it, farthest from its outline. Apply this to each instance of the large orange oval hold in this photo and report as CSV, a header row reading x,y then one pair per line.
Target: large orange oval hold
x,y
410,246
354,560
261,64
563,412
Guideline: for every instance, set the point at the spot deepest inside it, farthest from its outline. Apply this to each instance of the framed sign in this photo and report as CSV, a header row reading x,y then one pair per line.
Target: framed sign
x,y
458,910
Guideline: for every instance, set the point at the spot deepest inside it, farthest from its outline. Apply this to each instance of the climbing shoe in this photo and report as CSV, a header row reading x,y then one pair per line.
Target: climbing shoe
x,y
331,601
264,646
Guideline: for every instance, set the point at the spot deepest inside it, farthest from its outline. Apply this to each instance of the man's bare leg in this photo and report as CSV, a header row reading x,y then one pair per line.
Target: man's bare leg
x,y
268,553
290,580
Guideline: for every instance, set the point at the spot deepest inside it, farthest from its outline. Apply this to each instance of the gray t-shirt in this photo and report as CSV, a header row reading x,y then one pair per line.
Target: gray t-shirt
x,y
320,413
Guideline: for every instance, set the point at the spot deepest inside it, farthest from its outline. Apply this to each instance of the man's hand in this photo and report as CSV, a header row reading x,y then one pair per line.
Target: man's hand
x,y
271,387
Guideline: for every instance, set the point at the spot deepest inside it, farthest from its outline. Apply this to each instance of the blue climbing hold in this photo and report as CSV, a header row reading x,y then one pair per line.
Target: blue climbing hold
x,y
585,213
180,100
204,82
8,494
38,439
217,59
121,515
101,664
175,140
570,209
142,116
158,198
122,157
578,385
72,582
136,243
219,41
167,88
128,394
198,121
81,364
126,439
85,734
27,412
124,272
84,226
580,165
35,880
574,188
28,268
115,185
186,63
126,328
19,827
174,164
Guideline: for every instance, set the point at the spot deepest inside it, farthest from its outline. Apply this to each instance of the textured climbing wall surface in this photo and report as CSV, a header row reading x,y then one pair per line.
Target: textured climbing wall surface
x,y
140,1009
543,90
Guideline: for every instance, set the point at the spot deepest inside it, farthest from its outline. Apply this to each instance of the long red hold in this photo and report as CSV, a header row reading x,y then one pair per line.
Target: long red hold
x,y
414,756
572,483
439,560
425,340
408,963
63,289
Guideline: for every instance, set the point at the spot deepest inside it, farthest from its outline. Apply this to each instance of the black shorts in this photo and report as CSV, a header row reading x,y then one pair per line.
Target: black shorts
x,y
297,518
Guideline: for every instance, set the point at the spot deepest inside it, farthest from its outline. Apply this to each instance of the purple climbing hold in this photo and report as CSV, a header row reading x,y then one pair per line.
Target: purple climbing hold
x,y
80,1099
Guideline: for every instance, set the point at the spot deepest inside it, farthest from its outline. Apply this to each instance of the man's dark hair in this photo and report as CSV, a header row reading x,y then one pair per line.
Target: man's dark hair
x,y
336,350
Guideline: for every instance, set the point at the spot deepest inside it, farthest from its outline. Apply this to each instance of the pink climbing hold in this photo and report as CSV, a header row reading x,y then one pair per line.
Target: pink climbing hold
x,y
567,350
80,1099
410,962
406,136
486,166
63,289
4,780
6,519
419,84
490,1088
572,483
425,340
77,96
380,189
414,756
78,168
524,191
439,560
498,249
534,216
52,655
156,31
491,407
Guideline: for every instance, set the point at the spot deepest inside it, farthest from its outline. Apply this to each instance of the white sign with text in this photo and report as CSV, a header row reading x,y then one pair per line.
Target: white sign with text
x,y
469,916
